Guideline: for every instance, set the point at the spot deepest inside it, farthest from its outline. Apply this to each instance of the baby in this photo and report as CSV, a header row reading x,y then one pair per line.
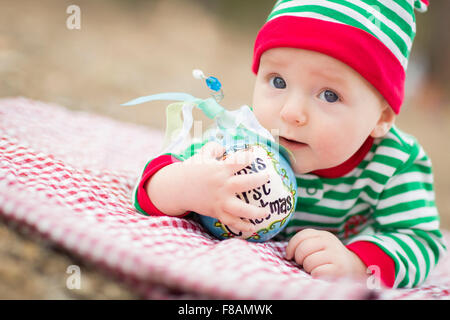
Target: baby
x,y
330,78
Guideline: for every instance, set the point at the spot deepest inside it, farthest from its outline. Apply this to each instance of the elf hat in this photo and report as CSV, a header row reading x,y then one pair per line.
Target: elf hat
x,y
373,37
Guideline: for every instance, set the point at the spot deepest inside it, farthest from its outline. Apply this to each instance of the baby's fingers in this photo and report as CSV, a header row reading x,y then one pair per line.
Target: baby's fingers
x,y
246,182
236,223
296,240
238,160
212,149
241,209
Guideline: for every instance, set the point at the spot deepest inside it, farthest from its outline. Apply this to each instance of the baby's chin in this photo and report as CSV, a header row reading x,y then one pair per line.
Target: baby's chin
x,y
306,170
301,168
302,171
305,158
305,167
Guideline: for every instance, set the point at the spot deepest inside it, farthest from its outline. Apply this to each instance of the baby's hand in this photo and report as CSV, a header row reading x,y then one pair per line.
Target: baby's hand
x,y
213,186
322,254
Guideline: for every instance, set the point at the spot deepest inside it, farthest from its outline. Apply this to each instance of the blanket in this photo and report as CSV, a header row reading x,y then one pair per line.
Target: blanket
x,y
68,176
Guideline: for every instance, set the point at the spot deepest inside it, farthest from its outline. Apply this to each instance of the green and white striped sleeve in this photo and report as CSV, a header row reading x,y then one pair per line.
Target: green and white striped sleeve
x,y
407,221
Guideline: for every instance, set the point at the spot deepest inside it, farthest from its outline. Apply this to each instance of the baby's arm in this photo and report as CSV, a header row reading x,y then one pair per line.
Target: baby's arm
x,y
404,242
166,189
207,186
406,223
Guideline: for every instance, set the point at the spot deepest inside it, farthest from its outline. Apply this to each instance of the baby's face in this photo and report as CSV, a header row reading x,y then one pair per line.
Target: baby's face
x,y
325,108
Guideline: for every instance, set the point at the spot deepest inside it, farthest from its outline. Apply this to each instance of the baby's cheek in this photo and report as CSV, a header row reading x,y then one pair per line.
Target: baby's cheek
x,y
264,116
333,146
262,119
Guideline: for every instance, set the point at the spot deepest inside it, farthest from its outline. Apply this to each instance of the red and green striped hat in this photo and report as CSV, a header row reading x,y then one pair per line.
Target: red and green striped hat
x,y
374,37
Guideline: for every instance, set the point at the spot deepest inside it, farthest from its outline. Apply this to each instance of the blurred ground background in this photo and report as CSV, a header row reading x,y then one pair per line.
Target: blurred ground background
x,y
127,49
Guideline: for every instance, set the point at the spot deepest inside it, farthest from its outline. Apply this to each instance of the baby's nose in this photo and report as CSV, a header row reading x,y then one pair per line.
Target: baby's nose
x,y
301,120
295,114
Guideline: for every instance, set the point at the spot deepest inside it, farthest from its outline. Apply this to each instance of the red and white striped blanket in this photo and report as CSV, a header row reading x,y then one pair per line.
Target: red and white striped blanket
x,y
68,176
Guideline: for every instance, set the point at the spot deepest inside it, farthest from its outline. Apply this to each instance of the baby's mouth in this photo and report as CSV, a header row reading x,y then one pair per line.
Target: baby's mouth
x,y
291,144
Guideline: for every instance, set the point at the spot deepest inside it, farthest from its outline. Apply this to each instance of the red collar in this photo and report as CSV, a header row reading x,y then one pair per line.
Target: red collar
x,y
349,164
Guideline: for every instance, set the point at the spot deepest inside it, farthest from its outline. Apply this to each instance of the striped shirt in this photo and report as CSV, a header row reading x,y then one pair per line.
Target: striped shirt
x,y
387,200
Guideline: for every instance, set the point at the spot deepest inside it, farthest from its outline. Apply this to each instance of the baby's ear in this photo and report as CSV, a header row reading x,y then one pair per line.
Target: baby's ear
x,y
386,121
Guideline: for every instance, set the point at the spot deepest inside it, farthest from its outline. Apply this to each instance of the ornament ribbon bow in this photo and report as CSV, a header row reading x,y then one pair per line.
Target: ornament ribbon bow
x,y
177,130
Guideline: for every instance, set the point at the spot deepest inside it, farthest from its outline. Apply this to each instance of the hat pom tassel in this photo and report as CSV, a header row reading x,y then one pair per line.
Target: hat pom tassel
x,y
421,5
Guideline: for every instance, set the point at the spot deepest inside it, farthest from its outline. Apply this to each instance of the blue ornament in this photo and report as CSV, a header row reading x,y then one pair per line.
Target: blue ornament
x,y
278,194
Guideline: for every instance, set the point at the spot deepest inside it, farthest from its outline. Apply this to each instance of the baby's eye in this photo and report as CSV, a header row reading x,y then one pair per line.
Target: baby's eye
x,y
277,82
329,96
